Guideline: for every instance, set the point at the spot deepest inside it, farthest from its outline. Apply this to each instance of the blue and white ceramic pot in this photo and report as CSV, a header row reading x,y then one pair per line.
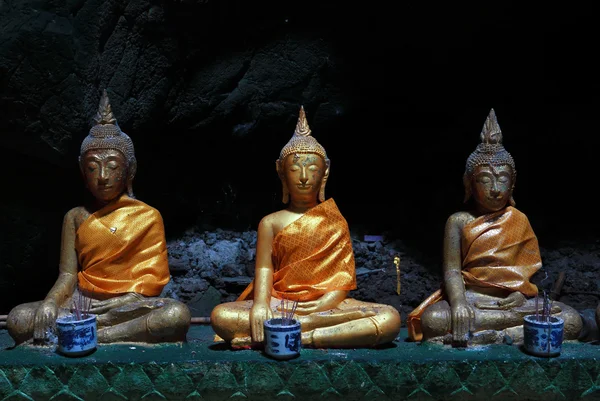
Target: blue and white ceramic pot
x,y
543,338
282,341
76,337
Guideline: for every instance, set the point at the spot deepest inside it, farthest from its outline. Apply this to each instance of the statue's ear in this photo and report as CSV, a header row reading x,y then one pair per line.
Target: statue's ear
x,y
132,170
81,171
511,201
285,198
324,181
467,185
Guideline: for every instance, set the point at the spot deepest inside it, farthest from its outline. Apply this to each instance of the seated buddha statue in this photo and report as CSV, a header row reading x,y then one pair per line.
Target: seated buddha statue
x,y
113,251
490,254
304,254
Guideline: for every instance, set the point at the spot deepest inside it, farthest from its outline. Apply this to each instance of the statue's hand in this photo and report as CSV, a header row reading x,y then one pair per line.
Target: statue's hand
x,y
318,305
514,300
101,307
327,301
258,314
462,316
44,321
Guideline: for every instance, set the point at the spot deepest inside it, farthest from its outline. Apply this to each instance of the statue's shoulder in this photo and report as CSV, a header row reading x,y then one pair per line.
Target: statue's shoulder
x,y
460,219
74,212
277,221
462,216
76,216
272,220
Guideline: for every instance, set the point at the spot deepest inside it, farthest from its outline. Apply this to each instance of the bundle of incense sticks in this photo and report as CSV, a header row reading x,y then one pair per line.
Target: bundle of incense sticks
x,y
544,316
288,308
81,306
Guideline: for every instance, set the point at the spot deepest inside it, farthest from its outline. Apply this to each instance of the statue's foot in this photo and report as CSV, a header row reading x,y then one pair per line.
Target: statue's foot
x,y
244,343
332,317
508,336
485,337
307,339
523,311
445,339
122,314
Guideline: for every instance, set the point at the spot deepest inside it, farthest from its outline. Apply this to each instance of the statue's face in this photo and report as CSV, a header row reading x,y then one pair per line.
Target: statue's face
x,y
303,174
492,187
105,172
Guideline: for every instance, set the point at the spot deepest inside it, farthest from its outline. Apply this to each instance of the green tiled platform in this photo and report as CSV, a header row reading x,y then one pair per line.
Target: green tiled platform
x,y
202,370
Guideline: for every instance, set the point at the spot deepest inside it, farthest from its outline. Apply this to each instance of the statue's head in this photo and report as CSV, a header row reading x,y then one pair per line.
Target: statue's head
x,y
490,172
107,159
303,166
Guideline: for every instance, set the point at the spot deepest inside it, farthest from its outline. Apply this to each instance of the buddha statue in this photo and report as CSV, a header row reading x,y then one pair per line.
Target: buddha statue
x,y
113,251
490,254
304,254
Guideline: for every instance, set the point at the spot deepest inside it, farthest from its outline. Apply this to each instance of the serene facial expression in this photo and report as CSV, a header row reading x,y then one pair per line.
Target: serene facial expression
x,y
105,172
492,187
303,174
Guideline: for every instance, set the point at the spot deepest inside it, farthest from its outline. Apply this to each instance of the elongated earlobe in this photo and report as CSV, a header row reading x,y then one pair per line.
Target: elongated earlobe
x,y
285,198
324,182
130,177
467,185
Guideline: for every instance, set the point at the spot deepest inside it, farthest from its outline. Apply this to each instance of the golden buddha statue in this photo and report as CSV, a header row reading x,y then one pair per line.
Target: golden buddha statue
x,y
490,255
113,251
304,254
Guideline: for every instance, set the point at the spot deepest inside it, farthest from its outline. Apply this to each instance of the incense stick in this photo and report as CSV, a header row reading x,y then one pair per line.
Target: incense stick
x,y
287,311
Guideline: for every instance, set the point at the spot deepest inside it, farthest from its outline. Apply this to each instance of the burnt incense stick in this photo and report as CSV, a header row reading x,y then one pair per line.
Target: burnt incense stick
x,y
288,309
294,306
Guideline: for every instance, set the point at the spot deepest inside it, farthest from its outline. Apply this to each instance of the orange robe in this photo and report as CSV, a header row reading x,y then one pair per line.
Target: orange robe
x,y
122,248
498,250
312,256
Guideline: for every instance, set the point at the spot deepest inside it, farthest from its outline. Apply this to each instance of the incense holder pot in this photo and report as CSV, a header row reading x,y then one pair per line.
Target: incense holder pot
x,y
76,337
543,338
282,338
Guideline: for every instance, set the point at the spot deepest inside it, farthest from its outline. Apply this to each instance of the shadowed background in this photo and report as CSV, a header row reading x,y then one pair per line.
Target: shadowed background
x,y
209,92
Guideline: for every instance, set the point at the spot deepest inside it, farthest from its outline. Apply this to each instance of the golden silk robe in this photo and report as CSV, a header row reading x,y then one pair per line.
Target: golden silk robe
x,y
312,256
498,250
122,248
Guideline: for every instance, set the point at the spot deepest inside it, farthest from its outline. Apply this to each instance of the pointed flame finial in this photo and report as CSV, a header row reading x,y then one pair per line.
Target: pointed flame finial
x,y
104,115
302,127
491,132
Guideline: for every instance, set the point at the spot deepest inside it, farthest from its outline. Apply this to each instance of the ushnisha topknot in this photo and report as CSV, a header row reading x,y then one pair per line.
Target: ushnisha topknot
x,y
106,134
302,141
490,151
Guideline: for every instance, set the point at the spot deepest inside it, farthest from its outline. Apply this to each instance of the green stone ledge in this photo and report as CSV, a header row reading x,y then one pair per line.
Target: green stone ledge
x,y
203,370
